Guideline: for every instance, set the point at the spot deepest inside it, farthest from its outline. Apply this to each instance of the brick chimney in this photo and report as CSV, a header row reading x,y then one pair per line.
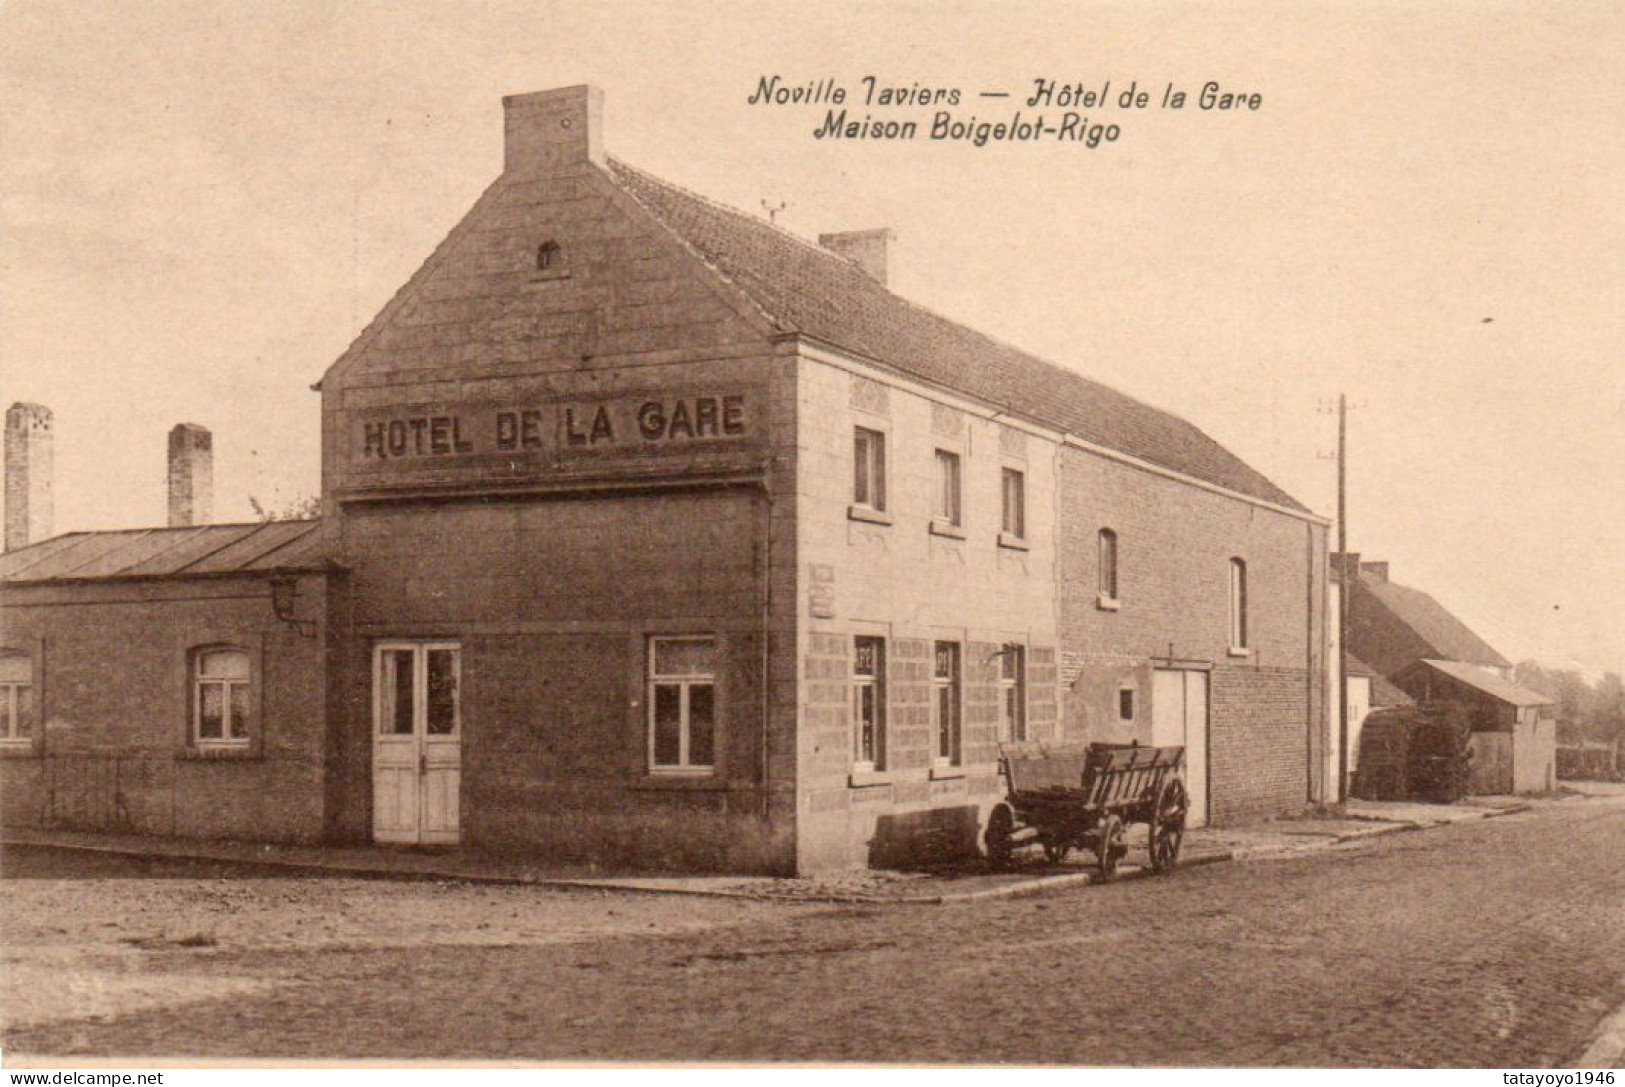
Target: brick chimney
x,y
191,475
868,249
30,464
1377,570
547,132
1344,561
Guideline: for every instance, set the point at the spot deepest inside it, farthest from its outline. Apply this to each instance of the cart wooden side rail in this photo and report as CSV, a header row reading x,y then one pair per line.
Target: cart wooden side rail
x,y
1063,800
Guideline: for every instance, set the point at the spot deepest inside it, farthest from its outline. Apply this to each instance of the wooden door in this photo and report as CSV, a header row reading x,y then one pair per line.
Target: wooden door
x,y
417,743
1179,715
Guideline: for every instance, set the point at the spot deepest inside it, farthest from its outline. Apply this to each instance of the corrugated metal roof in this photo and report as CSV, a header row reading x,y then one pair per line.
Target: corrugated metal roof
x,y
1490,683
168,552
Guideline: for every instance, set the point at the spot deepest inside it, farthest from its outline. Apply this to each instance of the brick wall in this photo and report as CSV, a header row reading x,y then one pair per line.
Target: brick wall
x,y
113,690
1258,745
1174,543
901,581
553,563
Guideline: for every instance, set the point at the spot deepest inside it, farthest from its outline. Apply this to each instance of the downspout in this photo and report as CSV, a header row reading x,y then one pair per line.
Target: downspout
x,y
767,633
1310,648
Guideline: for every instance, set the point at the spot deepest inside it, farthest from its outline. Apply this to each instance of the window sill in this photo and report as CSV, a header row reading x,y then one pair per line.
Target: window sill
x,y
18,749
864,779
948,773
1013,543
243,753
1235,652
550,276
868,515
681,780
1108,603
944,528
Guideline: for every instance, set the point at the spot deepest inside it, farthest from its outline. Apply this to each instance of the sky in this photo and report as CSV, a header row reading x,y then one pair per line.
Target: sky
x,y
201,205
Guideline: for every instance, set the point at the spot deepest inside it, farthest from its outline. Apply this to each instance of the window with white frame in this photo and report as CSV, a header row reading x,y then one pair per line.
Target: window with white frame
x,y
869,468
1014,522
945,702
16,698
868,703
1238,604
682,705
1108,564
220,697
1013,693
948,509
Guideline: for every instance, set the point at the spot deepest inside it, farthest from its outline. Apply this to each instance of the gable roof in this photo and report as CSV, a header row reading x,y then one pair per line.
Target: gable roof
x,y
806,289
204,550
1448,636
1488,682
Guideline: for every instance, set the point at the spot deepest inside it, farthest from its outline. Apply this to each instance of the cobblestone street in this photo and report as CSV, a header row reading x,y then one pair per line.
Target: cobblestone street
x,y
1497,943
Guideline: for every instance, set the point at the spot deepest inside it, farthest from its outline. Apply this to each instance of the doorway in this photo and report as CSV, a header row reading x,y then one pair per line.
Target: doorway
x,y
1179,715
417,743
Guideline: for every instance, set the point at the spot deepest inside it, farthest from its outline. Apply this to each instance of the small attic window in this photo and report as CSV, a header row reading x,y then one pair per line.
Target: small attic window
x,y
548,256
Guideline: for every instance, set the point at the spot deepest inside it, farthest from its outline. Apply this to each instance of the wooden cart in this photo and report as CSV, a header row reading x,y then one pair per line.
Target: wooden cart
x,y
1085,800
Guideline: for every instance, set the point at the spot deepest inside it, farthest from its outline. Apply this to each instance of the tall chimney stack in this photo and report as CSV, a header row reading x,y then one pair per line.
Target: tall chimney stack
x,y
30,464
868,249
191,475
548,132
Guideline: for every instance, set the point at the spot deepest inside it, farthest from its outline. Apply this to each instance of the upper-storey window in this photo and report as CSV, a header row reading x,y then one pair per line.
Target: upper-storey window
x,y
1014,522
220,697
1108,564
948,508
869,468
16,698
1238,604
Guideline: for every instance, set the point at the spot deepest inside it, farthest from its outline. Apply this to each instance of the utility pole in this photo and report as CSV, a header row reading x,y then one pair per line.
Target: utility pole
x,y
1345,576
1342,598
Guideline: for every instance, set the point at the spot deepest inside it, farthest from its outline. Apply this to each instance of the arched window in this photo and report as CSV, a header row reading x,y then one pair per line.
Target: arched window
x,y
220,697
1238,605
16,698
1108,564
547,255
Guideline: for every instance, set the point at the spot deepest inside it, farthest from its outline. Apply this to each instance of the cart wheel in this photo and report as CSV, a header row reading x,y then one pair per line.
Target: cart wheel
x,y
1109,846
1055,850
1168,825
1001,828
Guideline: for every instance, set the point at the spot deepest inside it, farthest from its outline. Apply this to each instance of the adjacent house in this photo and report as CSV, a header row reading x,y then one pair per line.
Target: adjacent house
x,y
1423,650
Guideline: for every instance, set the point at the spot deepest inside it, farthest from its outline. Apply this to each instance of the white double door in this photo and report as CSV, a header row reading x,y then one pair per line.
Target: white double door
x,y
417,742
1179,715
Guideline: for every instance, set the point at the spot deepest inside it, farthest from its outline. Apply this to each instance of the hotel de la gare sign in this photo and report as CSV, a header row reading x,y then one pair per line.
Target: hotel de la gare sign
x,y
512,437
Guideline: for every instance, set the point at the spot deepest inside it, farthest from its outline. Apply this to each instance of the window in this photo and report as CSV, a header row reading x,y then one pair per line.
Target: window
x,y
1015,504
868,703
547,256
1013,693
1125,703
869,461
1108,564
411,674
220,698
16,698
682,704
945,701
1238,604
948,503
